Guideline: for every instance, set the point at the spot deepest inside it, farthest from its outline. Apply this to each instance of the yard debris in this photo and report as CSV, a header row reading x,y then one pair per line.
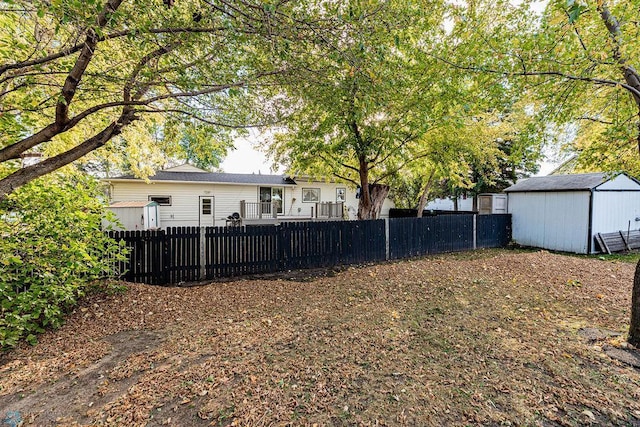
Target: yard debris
x,y
597,334
487,337
627,356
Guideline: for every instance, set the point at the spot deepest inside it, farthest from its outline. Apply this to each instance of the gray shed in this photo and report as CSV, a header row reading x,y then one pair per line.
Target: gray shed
x,y
565,212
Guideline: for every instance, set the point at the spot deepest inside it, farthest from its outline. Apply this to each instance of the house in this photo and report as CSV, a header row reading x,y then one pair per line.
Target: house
x,y
566,212
189,196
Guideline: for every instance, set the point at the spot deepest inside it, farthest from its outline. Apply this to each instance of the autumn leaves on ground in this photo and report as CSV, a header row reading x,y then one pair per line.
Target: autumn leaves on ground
x,y
477,338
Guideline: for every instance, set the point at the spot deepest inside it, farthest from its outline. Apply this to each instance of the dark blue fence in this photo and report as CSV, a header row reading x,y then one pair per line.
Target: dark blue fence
x,y
187,254
493,231
410,237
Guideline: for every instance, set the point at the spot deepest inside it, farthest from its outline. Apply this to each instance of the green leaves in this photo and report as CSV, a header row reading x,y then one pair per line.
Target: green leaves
x,y
575,9
52,248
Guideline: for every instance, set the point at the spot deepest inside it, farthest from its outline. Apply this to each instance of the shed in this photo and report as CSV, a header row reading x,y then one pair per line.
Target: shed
x,y
136,215
566,212
495,203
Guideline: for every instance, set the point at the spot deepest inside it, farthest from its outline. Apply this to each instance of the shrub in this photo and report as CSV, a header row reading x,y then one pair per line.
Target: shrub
x,y
52,248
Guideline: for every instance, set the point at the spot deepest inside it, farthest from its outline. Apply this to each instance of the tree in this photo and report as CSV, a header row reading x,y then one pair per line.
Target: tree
x,y
75,74
578,64
446,155
365,118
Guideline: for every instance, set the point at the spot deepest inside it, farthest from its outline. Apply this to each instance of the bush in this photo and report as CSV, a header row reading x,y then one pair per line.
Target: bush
x,y
52,248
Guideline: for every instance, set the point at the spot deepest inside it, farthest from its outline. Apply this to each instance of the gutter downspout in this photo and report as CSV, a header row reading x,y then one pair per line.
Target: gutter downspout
x,y
590,228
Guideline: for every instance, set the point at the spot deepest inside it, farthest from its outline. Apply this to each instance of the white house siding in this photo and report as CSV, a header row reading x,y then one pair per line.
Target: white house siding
x,y
184,209
328,194
551,220
615,210
185,199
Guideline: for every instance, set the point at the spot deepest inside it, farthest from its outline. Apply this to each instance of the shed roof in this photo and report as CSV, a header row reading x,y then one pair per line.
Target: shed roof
x,y
573,182
132,204
214,177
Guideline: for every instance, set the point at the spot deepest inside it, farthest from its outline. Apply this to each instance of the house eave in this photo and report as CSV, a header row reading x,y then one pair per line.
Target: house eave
x,y
151,181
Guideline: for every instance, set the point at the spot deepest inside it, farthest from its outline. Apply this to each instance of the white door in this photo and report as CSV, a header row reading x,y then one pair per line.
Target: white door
x,y
206,211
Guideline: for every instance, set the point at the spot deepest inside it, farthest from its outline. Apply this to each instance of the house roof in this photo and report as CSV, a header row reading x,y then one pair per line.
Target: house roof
x,y
132,204
573,182
213,177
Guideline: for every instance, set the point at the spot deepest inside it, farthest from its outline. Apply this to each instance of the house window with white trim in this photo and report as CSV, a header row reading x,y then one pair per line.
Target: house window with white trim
x,y
311,195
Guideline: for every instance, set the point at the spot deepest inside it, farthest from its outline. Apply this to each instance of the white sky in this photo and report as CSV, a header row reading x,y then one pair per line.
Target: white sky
x,y
246,158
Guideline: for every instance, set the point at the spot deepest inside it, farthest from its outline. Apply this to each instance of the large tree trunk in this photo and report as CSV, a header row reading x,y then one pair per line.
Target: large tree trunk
x,y
633,80
424,198
634,329
377,194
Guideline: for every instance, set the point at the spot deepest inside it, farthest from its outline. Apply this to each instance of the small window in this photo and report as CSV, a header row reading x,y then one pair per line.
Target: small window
x,y
206,206
161,200
310,194
341,194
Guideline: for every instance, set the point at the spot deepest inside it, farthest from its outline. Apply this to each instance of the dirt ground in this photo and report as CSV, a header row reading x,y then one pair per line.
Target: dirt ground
x,y
486,338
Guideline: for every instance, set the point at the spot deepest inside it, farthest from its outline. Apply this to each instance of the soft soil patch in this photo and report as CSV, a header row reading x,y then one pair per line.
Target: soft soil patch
x,y
481,338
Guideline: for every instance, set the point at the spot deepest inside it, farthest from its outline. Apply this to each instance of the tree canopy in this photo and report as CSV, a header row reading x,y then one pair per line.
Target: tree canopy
x,y
383,104
74,75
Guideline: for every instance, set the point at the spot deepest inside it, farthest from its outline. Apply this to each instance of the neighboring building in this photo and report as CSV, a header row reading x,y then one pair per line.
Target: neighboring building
x,y
492,203
189,196
565,212
464,204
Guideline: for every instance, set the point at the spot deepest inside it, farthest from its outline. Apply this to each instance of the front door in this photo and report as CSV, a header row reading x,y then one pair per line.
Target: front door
x,y
206,211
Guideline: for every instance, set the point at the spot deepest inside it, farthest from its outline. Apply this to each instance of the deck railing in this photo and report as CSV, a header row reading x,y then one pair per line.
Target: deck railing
x,y
330,210
258,210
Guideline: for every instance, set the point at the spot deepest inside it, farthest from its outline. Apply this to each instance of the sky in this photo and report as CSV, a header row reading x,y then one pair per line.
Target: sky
x,y
247,157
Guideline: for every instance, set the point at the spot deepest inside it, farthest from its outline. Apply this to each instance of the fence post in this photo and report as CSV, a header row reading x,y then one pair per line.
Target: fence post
x,y
166,255
386,240
203,254
475,232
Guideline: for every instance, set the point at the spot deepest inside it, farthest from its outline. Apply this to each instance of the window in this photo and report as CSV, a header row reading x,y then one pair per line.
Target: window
x,y
310,194
341,194
206,206
272,194
161,200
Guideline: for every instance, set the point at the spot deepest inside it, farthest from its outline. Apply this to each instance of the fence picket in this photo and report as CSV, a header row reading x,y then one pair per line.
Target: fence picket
x,y
173,255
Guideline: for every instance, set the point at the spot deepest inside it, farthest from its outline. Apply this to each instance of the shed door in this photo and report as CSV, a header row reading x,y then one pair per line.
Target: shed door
x,y
206,211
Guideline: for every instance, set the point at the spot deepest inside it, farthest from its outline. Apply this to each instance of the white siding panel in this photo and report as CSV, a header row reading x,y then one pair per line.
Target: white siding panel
x,y
620,182
184,199
527,210
615,210
328,194
227,199
557,221
567,221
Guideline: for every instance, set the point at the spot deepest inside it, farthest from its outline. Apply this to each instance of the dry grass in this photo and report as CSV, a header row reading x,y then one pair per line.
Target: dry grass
x,y
478,338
